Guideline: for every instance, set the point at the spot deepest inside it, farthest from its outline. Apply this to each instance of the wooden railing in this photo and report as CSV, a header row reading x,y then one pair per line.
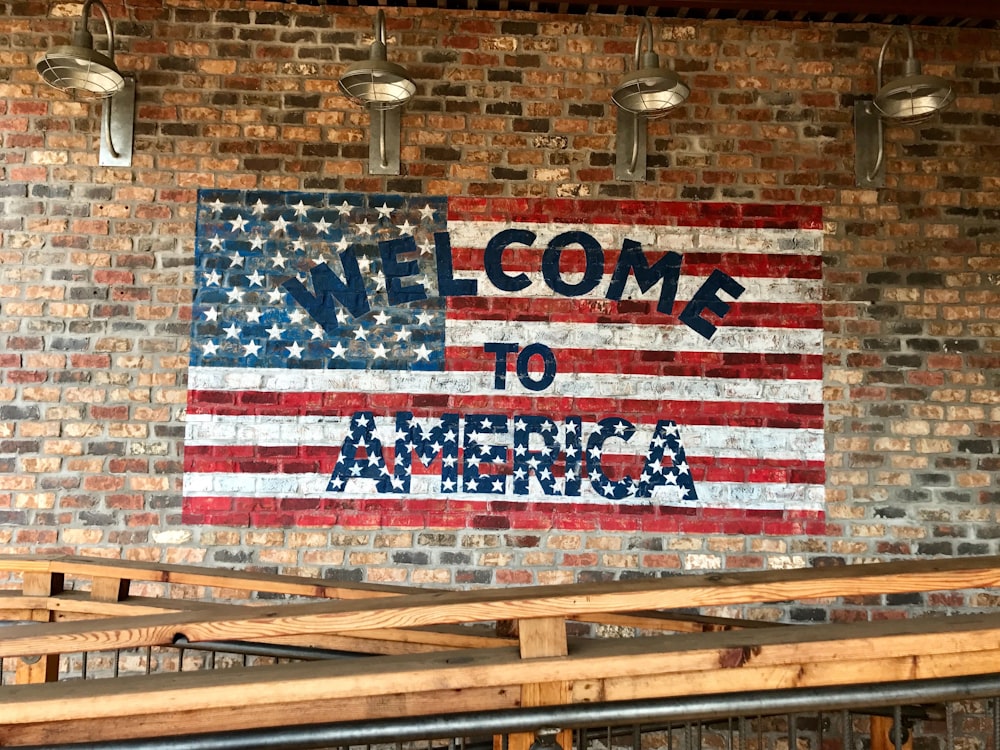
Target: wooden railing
x,y
447,652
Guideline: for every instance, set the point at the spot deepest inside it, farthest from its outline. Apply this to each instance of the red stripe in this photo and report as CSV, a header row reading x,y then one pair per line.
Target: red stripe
x,y
628,312
518,259
441,513
557,210
310,459
637,411
664,364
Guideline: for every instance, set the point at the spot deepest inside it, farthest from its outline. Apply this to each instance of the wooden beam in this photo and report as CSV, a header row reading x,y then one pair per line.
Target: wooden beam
x,y
89,567
169,723
488,605
799,656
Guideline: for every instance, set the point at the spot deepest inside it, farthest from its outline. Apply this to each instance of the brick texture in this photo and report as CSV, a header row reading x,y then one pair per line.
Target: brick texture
x,y
96,268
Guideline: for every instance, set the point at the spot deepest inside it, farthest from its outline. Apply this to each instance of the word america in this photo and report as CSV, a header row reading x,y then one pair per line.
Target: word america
x,y
398,266
486,468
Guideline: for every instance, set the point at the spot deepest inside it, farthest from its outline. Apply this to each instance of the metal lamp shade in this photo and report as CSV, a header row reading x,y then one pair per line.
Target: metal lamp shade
x,y
82,71
378,84
913,97
650,92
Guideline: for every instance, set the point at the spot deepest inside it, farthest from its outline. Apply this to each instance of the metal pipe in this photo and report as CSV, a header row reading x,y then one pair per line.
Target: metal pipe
x,y
690,708
277,651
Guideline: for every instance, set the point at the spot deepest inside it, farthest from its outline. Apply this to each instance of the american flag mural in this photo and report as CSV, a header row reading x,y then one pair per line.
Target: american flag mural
x,y
457,362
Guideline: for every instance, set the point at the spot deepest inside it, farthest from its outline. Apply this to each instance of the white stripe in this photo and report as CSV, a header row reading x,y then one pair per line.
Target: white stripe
x,y
654,238
759,289
568,385
304,486
607,336
698,440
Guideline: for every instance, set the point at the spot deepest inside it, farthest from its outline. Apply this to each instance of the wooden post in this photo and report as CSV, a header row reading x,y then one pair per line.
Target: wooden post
x,y
882,730
109,589
543,637
39,668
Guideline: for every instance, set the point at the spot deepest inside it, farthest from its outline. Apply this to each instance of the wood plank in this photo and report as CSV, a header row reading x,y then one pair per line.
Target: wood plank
x,y
482,605
676,623
195,576
794,656
168,722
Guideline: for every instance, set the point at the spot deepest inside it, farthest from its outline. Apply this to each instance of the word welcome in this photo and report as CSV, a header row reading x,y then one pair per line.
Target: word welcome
x,y
400,268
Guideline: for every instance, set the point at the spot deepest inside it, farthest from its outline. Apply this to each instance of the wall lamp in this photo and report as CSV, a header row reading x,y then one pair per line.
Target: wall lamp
x,y
383,87
81,70
646,93
911,98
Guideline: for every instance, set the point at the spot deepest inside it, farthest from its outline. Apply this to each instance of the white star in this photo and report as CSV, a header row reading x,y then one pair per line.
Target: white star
x,y
423,353
301,210
250,349
322,226
257,242
403,334
448,485
279,225
427,212
359,334
406,227
235,295
215,243
380,283
380,352
620,428
595,452
342,244
296,316
295,351
275,296
338,350
497,485
253,316
216,205
209,348
258,208
232,331
381,318
212,314
473,461
384,212
235,260
298,245
364,264
342,316
365,228
425,247
212,278
278,260
317,331
255,279
239,223
520,424
275,331
425,319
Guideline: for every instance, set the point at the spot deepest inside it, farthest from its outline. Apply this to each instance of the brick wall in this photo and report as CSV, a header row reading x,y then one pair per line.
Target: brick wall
x,y
96,264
